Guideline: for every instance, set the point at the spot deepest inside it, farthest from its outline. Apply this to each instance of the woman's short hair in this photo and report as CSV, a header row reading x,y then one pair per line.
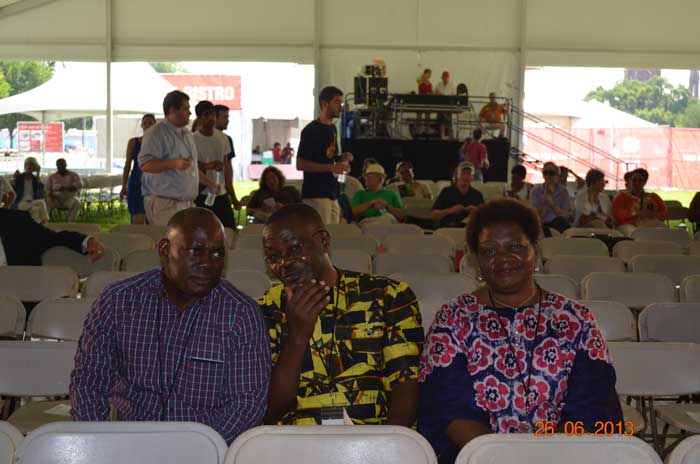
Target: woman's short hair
x,y
503,211
33,163
275,171
594,176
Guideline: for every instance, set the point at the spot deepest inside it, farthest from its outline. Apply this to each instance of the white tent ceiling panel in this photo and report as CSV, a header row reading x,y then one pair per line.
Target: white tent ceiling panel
x,y
173,52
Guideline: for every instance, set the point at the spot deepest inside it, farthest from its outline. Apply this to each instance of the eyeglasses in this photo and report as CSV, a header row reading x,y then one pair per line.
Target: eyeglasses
x,y
293,251
549,173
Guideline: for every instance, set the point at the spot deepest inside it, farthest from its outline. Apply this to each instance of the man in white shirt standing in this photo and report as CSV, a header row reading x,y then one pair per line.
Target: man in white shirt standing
x,y
212,152
444,87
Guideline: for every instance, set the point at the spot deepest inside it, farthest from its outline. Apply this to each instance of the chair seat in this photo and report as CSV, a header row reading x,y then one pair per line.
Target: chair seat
x,y
676,415
33,415
631,414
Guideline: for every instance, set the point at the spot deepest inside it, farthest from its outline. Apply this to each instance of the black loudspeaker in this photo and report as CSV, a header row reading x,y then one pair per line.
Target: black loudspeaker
x,y
378,90
360,90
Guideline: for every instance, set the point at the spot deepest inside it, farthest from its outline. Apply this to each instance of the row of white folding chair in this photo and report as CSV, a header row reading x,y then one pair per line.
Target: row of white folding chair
x,y
625,250
83,228
35,283
577,267
678,236
670,322
628,249
690,289
379,231
635,290
590,232
398,244
358,242
12,317
675,267
335,230
81,264
156,233
59,319
458,235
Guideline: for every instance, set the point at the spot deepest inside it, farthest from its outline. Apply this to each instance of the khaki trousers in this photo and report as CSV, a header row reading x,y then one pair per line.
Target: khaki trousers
x,y
159,210
64,200
327,208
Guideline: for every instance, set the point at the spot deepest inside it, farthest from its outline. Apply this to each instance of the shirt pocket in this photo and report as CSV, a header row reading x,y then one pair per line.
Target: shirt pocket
x,y
205,370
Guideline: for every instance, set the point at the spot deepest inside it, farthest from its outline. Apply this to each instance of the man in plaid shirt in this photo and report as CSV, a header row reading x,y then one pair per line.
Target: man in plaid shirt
x,y
177,343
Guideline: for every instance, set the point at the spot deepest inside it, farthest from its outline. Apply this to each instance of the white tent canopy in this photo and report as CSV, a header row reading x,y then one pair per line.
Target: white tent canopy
x,y
80,89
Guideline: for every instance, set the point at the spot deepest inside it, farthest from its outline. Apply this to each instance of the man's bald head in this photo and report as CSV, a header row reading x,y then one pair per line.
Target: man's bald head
x,y
187,219
297,212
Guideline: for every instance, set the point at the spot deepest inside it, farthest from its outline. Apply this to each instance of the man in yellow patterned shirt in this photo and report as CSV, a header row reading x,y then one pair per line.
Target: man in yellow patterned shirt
x,y
341,341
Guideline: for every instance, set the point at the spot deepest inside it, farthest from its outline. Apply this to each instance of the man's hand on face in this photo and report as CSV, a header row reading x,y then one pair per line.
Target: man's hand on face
x,y
304,304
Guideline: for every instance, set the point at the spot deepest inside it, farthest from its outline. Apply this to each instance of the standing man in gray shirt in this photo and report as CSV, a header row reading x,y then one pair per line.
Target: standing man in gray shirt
x,y
168,159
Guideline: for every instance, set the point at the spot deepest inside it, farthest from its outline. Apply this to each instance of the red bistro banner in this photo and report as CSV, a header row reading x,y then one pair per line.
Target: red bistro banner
x,y
30,135
218,89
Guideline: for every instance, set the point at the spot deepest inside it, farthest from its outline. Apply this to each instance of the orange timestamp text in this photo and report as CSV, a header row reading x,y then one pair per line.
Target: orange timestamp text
x,y
576,428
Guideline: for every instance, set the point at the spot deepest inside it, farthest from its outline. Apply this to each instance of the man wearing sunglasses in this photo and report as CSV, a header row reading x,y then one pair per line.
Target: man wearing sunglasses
x,y
551,201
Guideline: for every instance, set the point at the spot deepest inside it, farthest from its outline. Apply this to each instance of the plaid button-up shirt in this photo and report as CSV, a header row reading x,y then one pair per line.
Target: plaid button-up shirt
x,y
209,363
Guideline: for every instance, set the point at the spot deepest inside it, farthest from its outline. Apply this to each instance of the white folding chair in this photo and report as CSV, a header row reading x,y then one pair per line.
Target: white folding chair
x,y
628,249
434,264
254,230
687,451
468,265
590,232
528,448
552,246
615,320
156,233
99,280
86,229
36,283
343,230
31,369
10,438
429,286
12,317
249,242
361,243
560,284
251,260
83,265
415,244
352,260
125,442
458,235
670,322
124,243
359,444
675,267
59,319
140,261
578,267
690,289
678,236
429,307
378,231
694,248
252,283
635,290
230,238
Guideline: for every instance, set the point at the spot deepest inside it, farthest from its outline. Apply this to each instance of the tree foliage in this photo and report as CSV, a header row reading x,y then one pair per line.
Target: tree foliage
x,y
21,76
167,68
691,116
655,100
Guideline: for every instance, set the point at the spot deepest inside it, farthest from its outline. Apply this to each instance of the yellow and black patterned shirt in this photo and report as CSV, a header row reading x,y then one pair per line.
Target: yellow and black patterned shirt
x,y
369,337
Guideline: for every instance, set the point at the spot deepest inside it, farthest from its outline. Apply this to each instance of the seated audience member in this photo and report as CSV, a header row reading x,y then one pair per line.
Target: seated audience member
x,y
572,187
30,191
592,203
551,201
459,200
376,203
637,207
511,353
408,187
63,187
24,241
176,343
473,151
277,152
342,341
287,154
7,193
628,179
493,115
694,211
519,189
256,155
366,162
272,195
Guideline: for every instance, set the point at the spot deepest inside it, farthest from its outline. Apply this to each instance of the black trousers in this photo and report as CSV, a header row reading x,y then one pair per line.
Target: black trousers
x,y
558,223
221,207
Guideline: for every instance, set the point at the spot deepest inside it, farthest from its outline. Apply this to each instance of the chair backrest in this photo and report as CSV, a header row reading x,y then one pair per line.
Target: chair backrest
x,y
418,244
343,230
59,319
155,232
389,264
529,449
380,230
140,261
252,229
251,260
443,287
230,238
252,283
38,368
36,283
690,289
560,284
99,280
10,438
675,267
249,242
552,246
458,235
578,267
83,265
590,231
362,243
87,229
124,243
656,369
132,442
635,290
12,317
670,322
687,451
429,307
678,236
360,444
615,320
468,265
352,260
628,249
694,248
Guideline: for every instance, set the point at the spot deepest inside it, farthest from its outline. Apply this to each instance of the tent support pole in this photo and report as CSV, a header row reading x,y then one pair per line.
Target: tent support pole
x,y
522,64
108,62
317,53
43,138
